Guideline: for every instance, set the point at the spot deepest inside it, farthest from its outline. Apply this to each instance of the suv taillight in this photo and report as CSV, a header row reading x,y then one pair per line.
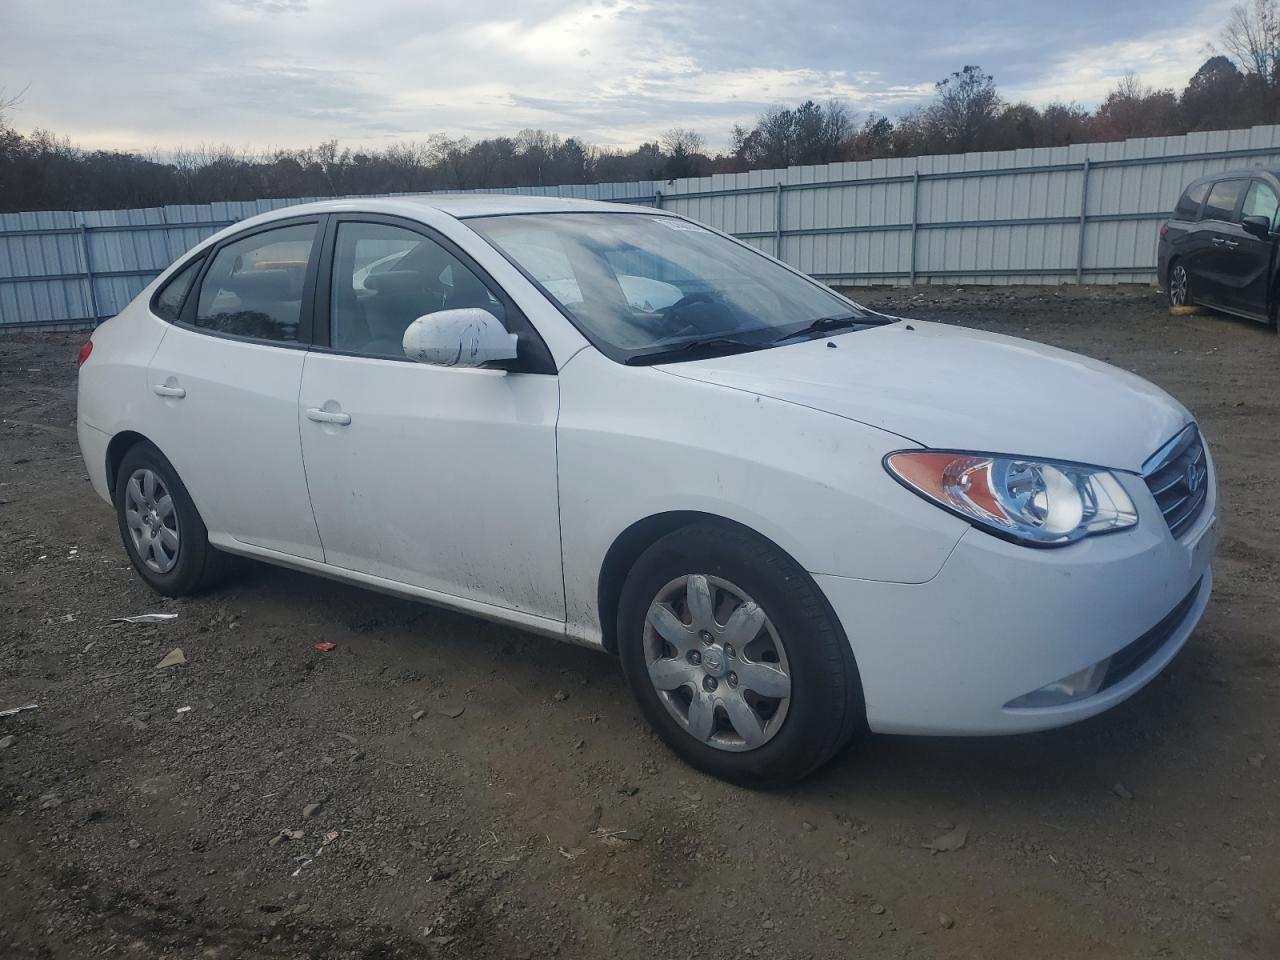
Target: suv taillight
x,y
1164,228
84,353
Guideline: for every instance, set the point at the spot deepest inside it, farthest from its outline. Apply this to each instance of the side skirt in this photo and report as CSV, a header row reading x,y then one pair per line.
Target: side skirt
x,y
486,611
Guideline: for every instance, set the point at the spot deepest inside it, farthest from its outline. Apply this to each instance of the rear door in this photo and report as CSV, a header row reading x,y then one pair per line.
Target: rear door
x,y
443,478
1248,264
1214,260
224,387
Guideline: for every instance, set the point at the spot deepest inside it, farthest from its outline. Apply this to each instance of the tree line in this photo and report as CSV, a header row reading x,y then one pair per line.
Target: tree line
x,y
1239,87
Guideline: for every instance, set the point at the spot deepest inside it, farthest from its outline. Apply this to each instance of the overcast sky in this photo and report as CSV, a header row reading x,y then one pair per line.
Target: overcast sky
x,y
139,74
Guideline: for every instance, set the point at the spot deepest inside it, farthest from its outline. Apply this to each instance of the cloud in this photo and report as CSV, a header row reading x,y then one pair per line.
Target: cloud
x,y
614,72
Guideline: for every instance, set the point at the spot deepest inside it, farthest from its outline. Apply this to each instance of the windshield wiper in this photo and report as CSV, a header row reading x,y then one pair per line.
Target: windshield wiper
x,y
709,345
823,324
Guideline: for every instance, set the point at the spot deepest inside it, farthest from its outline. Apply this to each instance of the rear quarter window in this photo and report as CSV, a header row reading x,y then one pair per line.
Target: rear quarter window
x,y
168,300
1188,207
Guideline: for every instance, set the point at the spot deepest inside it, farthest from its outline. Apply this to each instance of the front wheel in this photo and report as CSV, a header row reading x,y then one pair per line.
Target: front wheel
x,y
1179,287
735,657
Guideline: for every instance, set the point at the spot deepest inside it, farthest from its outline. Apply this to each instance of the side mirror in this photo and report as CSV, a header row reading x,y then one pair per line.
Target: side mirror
x,y
1259,227
458,338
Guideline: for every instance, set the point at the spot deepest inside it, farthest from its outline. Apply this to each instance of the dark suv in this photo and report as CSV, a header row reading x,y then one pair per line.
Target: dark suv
x,y
1219,247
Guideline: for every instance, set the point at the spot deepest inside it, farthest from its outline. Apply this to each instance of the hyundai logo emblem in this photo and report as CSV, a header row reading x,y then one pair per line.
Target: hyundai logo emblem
x,y
1192,478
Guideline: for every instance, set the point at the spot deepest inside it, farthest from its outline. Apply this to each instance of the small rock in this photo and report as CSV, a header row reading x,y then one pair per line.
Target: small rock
x,y
7,742
173,658
579,743
285,835
452,711
559,696
949,841
768,924
310,810
945,922
807,827
627,790
134,844
1121,791
443,873
49,801
418,714
877,908
1256,759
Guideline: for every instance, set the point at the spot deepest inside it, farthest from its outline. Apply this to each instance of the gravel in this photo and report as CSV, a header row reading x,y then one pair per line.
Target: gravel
x,y
130,829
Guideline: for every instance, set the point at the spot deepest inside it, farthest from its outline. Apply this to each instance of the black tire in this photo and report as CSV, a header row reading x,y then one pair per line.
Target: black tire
x,y
196,564
1179,292
825,708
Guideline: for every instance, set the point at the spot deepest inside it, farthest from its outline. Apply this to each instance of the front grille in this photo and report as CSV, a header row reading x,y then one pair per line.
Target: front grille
x,y
1178,477
1128,659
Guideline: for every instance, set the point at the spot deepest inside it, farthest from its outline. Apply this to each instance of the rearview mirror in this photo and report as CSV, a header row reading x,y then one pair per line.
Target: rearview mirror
x,y
469,337
1259,227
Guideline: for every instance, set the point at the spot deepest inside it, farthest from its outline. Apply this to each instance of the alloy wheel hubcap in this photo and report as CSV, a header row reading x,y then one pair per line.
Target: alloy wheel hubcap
x,y
717,663
1178,286
152,521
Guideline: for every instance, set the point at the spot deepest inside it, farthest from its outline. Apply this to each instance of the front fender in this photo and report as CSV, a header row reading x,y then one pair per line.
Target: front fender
x,y
635,443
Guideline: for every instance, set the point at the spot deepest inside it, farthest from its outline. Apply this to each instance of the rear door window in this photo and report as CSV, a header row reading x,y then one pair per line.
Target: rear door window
x,y
254,287
1223,200
1188,207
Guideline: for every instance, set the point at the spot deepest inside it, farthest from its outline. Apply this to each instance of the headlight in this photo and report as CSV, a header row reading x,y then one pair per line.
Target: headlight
x,y
1036,502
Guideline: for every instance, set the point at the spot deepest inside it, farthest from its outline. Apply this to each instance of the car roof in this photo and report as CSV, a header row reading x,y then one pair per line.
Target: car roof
x,y
458,205
1237,174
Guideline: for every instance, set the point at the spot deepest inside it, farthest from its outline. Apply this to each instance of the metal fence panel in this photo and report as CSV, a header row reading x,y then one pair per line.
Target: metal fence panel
x,y
1084,213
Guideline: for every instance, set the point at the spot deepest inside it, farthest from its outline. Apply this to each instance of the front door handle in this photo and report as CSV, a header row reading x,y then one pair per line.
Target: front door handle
x,y
169,390
325,416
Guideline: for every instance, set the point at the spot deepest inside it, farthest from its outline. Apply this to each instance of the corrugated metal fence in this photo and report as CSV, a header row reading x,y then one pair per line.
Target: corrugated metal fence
x,y
1086,213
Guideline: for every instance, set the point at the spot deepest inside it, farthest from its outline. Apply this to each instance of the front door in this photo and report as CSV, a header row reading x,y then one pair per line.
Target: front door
x,y
443,478
224,385
1246,277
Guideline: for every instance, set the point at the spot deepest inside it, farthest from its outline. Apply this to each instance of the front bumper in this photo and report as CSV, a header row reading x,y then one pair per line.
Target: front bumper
x,y
1001,620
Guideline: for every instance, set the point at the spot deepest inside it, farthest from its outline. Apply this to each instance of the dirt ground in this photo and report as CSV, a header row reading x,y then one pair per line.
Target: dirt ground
x,y
139,808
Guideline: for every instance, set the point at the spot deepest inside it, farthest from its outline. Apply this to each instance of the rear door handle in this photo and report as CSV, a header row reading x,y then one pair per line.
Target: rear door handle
x,y
324,416
167,390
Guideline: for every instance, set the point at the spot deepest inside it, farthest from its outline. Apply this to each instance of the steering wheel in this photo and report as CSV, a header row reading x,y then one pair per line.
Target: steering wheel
x,y
668,314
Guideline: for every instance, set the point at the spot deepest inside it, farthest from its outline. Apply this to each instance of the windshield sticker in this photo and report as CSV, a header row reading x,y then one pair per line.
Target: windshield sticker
x,y
671,223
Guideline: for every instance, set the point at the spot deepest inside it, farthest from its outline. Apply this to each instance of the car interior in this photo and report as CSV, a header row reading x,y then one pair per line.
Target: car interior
x,y
370,315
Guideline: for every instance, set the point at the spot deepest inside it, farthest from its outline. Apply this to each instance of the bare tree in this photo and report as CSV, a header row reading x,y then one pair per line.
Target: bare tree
x,y
683,140
1252,37
8,102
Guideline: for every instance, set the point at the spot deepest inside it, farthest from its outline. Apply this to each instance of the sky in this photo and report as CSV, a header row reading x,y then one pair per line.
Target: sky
x,y
143,75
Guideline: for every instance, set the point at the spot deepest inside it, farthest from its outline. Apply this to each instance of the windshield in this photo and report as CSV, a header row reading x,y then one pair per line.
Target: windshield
x,y
643,287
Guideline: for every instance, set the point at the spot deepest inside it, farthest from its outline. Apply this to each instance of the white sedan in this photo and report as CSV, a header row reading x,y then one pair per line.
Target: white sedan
x,y
790,517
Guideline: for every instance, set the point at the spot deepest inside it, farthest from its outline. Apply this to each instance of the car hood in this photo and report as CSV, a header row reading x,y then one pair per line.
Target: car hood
x,y
953,388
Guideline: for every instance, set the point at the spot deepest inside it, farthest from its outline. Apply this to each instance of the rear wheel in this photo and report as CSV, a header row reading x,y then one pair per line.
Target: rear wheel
x,y
162,531
1179,286
736,658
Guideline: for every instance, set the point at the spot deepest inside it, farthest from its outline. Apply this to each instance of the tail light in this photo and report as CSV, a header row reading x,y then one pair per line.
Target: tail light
x,y
84,353
1164,228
